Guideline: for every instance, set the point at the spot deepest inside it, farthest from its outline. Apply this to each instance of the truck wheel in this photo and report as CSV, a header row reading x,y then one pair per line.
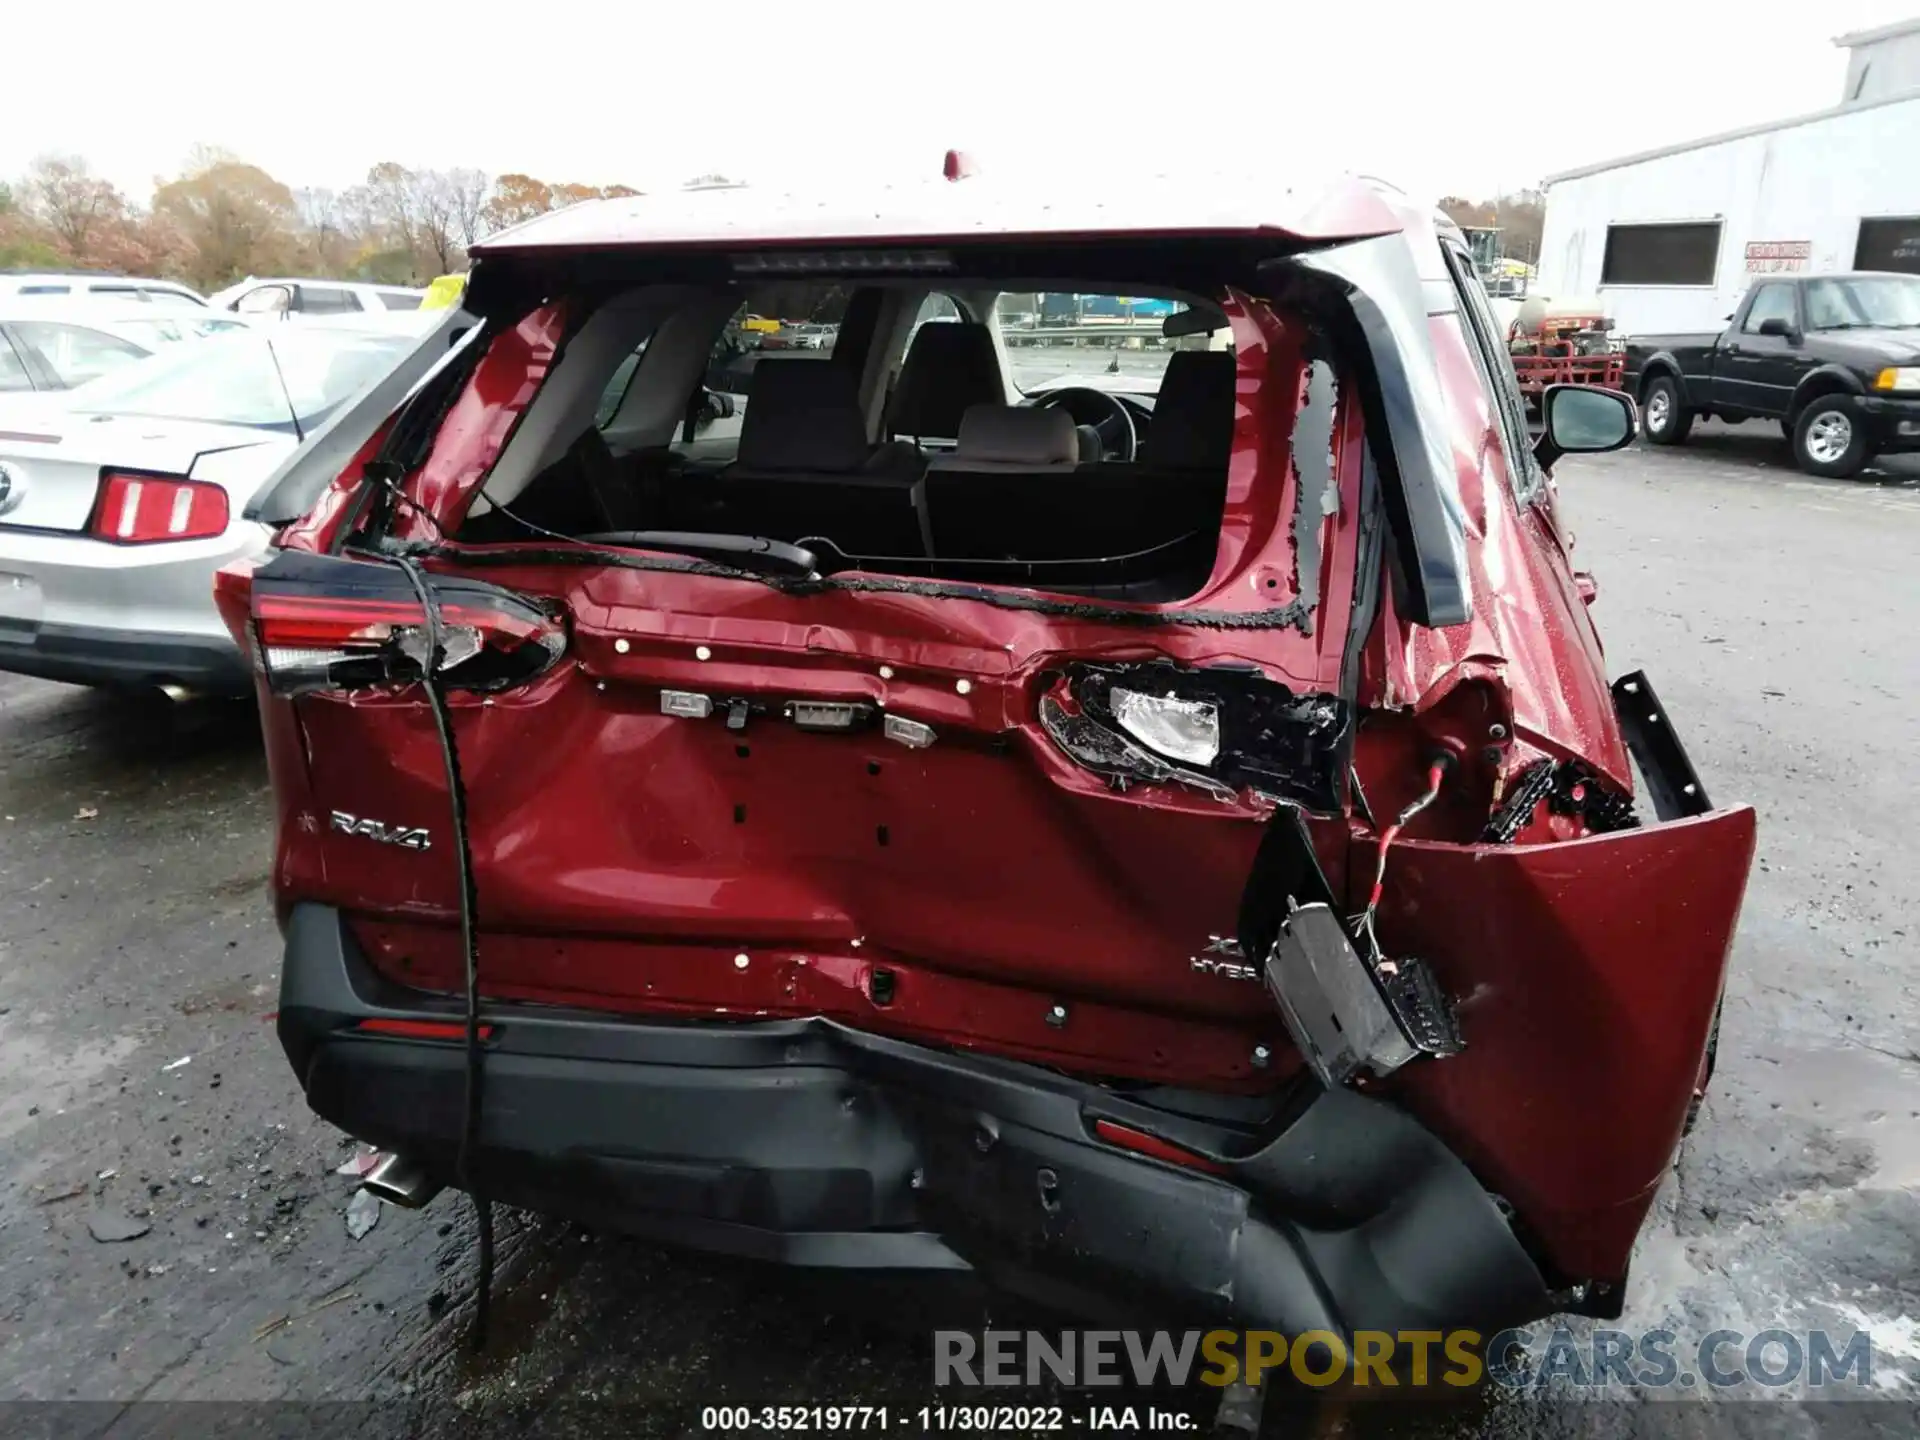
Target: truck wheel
x,y
1663,419
1828,438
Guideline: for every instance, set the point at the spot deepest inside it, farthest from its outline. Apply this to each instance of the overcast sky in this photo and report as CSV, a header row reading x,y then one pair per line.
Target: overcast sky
x,y
1438,98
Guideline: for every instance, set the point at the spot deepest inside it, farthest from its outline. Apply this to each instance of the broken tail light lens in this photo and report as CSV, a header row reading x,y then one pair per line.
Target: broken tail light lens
x,y
1184,730
308,643
1218,729
135,509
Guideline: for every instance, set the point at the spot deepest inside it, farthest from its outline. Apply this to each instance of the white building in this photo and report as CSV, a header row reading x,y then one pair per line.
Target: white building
x,y
1670,238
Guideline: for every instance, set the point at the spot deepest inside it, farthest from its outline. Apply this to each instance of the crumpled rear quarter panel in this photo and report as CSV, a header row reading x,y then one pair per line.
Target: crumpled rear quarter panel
x,y
1586,975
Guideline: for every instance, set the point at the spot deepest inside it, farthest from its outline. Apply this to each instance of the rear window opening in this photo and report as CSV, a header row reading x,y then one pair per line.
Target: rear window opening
x,y
1068,437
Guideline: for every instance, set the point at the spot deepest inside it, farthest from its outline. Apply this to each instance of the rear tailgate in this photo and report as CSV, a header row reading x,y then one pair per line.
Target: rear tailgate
x,y
659,821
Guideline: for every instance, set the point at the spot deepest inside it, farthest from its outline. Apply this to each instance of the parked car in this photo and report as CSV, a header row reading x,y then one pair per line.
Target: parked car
x,y
1211,875
117,505
51,347
101,287
77,340
809,336
1834,358
305,298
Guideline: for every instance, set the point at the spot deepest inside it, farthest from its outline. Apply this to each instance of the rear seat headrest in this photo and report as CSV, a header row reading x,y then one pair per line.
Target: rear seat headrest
x,y
1017,436
802,414
949,365
1192,425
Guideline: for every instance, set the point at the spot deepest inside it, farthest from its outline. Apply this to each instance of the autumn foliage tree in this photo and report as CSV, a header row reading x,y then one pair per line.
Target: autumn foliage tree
x,y
221,219
236,219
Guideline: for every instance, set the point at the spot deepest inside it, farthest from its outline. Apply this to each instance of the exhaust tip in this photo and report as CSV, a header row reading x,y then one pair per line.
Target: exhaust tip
x,y
400,1181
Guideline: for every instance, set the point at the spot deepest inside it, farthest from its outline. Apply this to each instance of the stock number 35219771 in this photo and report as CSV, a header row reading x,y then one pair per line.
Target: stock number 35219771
x,y
789,1419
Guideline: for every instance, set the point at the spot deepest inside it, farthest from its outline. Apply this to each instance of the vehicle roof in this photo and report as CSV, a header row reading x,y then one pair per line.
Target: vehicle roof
x,y
977,207
95,309
253,280
19,276
1839,275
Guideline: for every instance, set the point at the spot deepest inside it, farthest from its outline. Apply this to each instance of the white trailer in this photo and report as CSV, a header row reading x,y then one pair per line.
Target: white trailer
x,y
1670,239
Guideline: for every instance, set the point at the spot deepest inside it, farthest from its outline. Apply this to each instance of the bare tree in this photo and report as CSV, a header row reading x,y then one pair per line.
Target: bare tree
x,y
391,197
470,190
436,206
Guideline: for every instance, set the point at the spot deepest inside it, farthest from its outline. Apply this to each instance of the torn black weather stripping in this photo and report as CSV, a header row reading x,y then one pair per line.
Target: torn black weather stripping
x,y
1215,729
1295,614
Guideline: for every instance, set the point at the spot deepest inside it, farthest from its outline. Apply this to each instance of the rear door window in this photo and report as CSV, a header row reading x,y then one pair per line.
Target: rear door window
x,y
1496,371
13,370
76,353
617,387
327,300
798,320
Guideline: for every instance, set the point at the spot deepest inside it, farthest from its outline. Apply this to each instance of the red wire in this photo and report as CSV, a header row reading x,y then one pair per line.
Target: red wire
x,y
1435,774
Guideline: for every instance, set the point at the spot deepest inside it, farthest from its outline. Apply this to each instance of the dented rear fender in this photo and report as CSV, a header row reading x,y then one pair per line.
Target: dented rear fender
x,y
1586,975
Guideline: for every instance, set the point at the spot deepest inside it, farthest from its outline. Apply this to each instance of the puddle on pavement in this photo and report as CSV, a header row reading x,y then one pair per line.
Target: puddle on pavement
x,y
1856,1092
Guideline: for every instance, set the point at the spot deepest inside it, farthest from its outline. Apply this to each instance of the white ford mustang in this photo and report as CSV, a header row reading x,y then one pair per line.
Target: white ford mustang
x,y
119,500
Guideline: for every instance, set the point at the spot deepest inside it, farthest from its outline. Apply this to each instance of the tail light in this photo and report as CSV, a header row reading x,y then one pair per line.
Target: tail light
x,y
136,509
324,623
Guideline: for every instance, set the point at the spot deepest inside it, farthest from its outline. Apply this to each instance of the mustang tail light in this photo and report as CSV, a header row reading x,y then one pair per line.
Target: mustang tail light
x,y
135,509
327,623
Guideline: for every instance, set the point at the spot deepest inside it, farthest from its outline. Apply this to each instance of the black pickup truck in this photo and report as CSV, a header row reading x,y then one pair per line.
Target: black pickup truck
x,y
1834,358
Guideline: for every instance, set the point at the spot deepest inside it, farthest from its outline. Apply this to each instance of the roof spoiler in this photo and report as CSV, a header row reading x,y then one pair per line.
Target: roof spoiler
x,y
292,489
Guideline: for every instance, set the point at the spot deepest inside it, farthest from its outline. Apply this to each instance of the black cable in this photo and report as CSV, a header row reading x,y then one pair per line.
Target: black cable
x,y
469,907
386,475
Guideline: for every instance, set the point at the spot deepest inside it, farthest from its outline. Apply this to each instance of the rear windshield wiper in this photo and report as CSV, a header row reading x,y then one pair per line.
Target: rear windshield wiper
x,y
749,552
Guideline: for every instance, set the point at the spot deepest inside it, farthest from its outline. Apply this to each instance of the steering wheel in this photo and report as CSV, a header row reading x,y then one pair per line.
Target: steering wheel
x,y
1111,420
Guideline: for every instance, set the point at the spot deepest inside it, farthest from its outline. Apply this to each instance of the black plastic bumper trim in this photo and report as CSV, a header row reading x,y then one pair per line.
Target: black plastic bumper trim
x,y
809,1143
1672,782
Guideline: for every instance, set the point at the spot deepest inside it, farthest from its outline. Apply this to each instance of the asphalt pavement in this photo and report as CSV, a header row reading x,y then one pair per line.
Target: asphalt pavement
x,y
172,1227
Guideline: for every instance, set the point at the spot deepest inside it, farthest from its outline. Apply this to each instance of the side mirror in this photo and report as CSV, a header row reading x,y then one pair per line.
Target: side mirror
x,y
1583,420
1775,325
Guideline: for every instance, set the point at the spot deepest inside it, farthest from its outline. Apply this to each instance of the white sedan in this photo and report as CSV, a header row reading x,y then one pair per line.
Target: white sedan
x,y
119,500
53,344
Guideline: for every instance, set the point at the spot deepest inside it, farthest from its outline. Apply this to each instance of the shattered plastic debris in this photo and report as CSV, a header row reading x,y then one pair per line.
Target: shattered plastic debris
x,y
110,1227
361,1164
363,1213
176,1064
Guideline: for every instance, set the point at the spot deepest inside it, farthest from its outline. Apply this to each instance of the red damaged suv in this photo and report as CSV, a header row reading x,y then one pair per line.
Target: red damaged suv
x,y
1096,771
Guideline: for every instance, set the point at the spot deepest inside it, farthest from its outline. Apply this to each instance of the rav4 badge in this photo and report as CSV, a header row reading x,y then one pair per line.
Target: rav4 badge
x,y
407,839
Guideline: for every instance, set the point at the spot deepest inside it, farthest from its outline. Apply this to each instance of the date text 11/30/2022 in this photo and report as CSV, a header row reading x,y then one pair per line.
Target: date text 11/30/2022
x,y
927,1419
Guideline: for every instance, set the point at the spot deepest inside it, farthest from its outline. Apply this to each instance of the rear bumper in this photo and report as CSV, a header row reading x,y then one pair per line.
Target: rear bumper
x,y
83,610
810,1143
82,655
